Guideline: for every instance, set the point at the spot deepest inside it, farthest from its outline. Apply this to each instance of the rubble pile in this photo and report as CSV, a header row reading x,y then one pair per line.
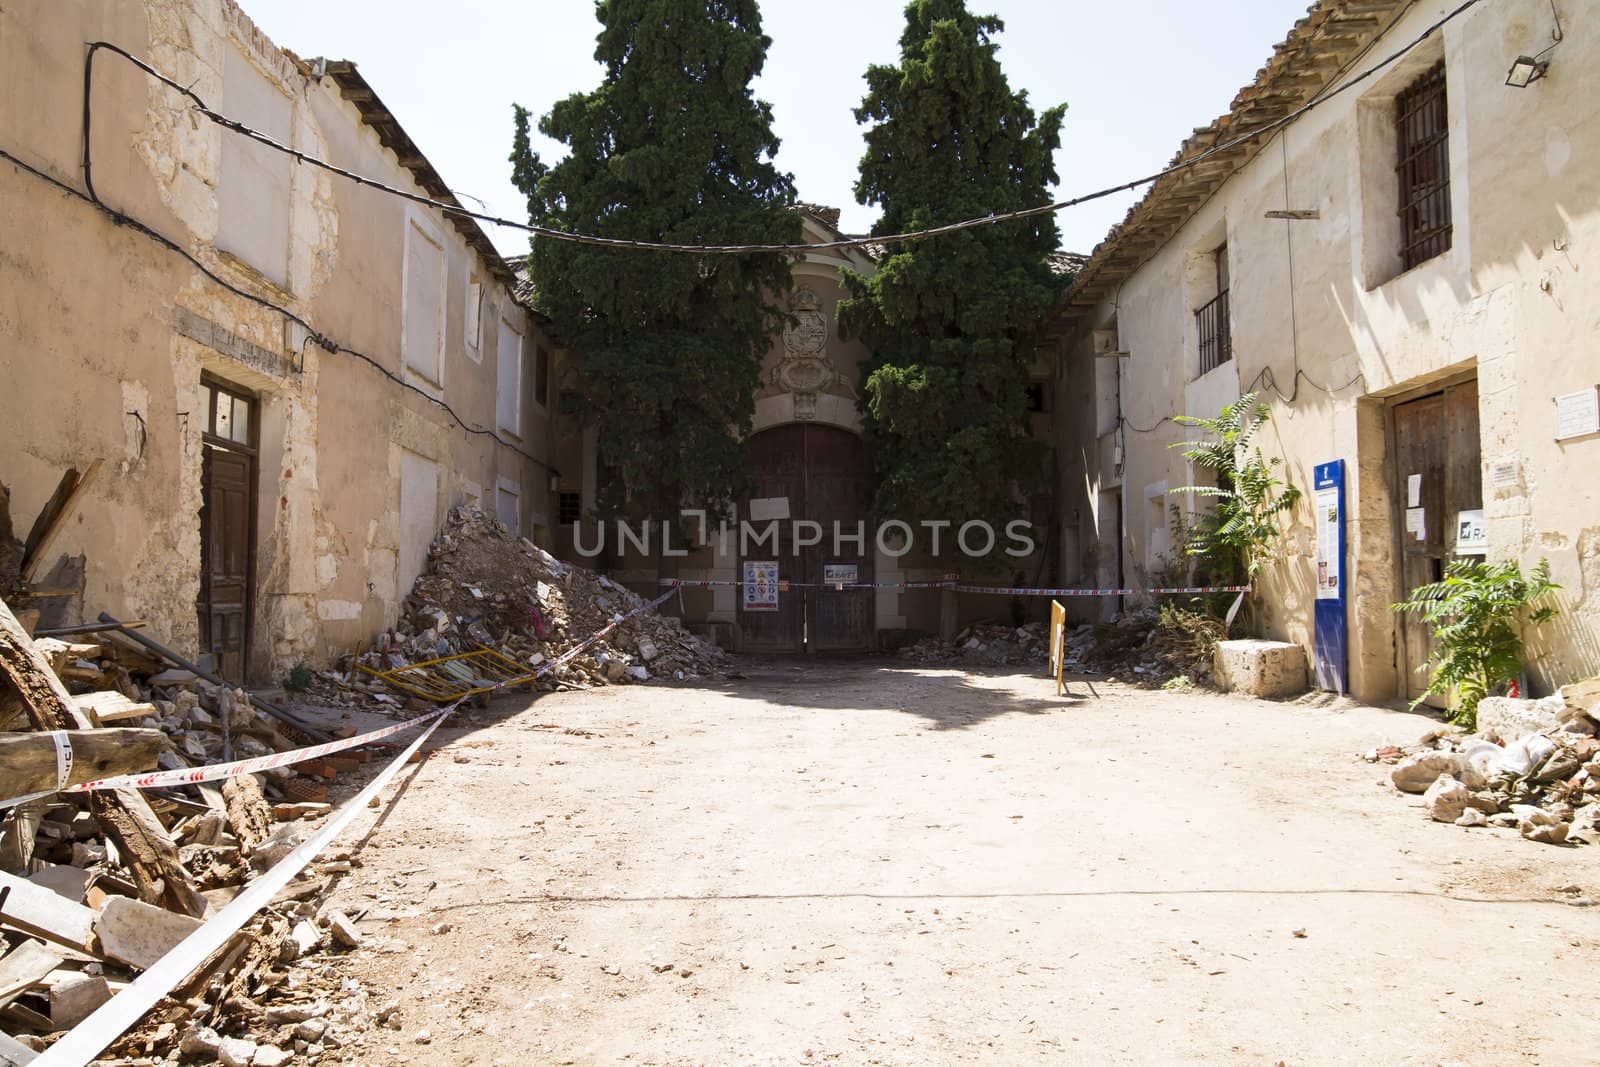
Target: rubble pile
x,y
485,588
1142,647
984,644
1545,784
96,887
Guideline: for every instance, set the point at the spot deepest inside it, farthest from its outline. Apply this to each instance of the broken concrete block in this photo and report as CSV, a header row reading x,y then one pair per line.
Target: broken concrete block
x,y
1415,774
1446,799
270,1056
1260,668
1539,825
647,649
138,934
75,997
1510,718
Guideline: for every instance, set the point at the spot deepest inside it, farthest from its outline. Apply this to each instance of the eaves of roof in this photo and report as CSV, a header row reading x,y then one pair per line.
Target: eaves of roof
x,y
354,88
1317,51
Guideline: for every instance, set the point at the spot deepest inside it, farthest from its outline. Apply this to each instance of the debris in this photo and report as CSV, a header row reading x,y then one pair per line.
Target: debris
x,y
1416,773
343,930
1446,799
485,588
1539,825
138,934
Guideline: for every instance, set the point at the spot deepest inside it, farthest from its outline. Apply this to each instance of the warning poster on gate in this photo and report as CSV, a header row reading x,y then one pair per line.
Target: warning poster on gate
x,y
760,585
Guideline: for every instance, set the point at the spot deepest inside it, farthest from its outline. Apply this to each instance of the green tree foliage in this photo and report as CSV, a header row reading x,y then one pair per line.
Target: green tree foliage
x,y
1242,527
947,319
672,146
1475,615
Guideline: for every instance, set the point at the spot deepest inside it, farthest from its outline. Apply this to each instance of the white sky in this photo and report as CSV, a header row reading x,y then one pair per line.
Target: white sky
x,y
1138,76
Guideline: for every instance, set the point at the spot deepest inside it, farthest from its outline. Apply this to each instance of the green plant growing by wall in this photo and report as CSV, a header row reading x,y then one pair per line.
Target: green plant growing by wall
x,y
1241,530
1475,614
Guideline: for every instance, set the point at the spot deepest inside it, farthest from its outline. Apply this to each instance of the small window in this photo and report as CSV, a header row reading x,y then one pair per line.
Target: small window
x,y
570,508
1211,320
508,362
474,316
1035,392
1423,168
541,378
422,338
228,415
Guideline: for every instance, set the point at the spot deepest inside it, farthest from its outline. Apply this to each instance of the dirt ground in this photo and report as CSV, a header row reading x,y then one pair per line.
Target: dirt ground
x,y
865,862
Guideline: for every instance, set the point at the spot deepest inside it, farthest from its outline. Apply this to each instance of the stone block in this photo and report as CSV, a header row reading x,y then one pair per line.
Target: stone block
x,y
138,934
1511,718
75,997
1261,668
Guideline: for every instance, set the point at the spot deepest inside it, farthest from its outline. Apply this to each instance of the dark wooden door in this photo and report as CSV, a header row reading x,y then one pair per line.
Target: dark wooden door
x,y
818,474
777,493
225,559
1437,465
838,620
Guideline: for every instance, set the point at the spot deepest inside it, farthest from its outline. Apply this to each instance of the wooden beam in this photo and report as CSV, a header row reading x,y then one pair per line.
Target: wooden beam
x,y
48,704
28,760
111,706
53,517
148,851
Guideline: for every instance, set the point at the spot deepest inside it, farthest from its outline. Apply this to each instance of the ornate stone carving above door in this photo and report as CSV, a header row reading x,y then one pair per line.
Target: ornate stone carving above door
x,y
804,367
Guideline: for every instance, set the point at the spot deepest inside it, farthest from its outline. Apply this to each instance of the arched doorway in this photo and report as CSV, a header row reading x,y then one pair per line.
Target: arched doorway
x,y
805,473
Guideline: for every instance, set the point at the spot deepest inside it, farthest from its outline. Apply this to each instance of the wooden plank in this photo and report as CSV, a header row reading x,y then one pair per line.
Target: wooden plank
x,y
28,760
25,967
111,706
14,1053
44,913
54,517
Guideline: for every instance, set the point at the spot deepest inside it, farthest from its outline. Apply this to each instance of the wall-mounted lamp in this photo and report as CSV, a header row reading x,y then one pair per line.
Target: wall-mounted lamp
x,y
1525,70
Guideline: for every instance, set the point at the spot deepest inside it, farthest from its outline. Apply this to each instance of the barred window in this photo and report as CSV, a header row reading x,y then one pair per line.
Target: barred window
x,y
1424,168
570,507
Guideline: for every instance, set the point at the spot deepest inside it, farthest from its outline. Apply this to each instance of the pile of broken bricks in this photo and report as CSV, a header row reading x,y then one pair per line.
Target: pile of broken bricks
x,y
1545,783
96,886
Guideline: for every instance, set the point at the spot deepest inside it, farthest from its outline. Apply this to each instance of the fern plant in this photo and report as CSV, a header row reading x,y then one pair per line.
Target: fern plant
x,y
1475,615
1249,496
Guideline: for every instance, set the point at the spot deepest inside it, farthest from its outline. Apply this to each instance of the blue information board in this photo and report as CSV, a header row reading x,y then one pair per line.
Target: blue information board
x,y
1332,655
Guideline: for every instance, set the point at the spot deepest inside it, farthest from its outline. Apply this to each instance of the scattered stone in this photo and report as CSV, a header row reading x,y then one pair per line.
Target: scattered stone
x,y
343,930
1539,825
235,1052
1416,773
1446,799
311,1030
424,1037
1472,817
440,928
200,1042
270,1056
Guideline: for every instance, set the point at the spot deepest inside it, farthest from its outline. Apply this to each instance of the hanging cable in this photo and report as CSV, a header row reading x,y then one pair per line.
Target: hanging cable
x,y
743,249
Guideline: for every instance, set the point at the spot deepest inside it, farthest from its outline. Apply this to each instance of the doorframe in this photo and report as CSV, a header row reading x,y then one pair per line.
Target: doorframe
x,y
1397,518
252,451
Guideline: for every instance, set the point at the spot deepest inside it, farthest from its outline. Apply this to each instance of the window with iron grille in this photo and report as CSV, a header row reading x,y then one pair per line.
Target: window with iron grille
x,y
1422,123
569,508
1211,320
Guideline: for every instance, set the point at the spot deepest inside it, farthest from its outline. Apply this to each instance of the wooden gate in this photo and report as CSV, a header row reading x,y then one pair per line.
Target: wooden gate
x,y
804,473
227,480
1439,475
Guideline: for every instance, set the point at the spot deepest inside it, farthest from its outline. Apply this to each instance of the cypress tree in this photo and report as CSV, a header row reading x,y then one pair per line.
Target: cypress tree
x,y
948,319
671,146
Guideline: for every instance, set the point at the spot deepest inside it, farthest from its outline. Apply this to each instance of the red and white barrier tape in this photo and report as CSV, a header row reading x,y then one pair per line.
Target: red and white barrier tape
x,y
960,587
216,771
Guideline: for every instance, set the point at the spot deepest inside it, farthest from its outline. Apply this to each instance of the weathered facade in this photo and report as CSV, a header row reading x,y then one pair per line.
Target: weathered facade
x,y
1407,274
284,403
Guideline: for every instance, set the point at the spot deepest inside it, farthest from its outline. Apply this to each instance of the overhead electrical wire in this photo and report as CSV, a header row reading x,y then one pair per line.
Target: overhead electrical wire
x,y
90,196
749,249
